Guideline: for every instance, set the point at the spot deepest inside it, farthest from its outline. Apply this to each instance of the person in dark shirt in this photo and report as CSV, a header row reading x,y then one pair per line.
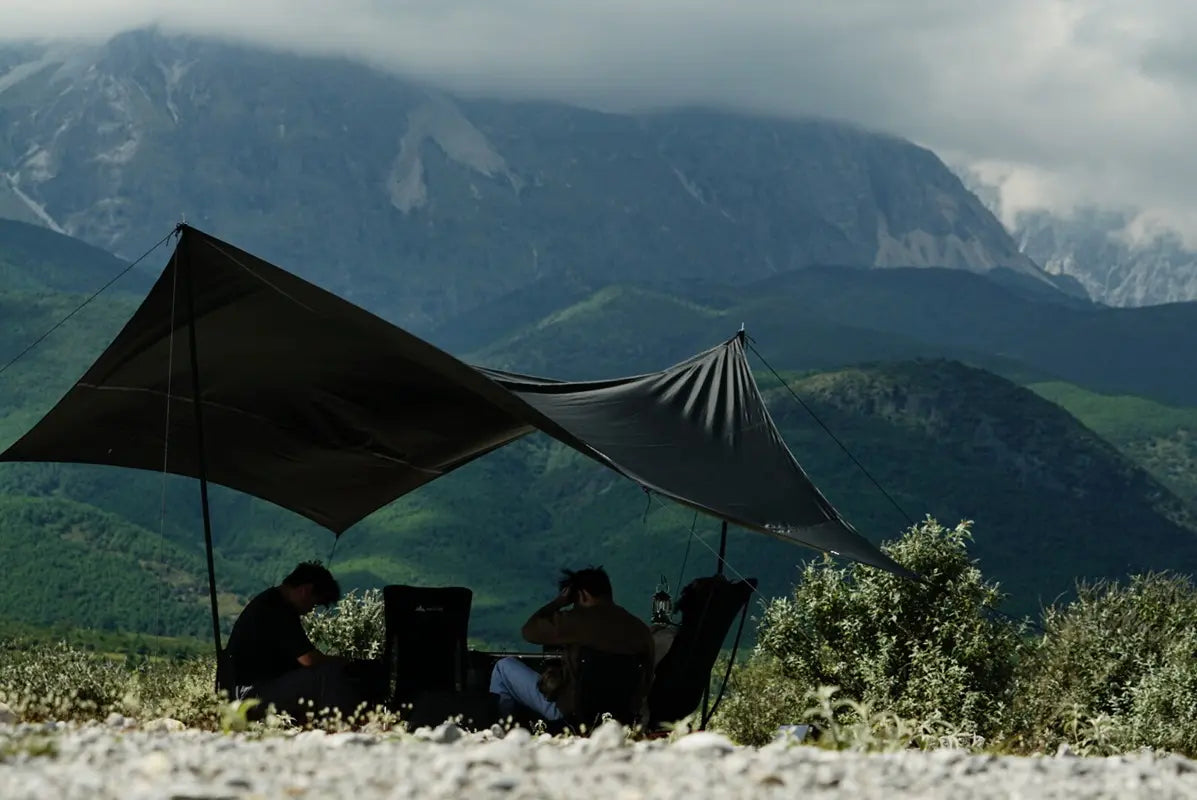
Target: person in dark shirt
x,y
594,621
269,655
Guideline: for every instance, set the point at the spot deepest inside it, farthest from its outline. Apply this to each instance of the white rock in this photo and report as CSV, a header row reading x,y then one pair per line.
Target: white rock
x,y
703,740
519,736
7,715
352,738
153,764
165,725
445,733
115,720
609,735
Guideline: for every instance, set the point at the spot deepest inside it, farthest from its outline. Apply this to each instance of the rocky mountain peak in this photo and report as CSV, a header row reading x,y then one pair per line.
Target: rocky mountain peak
x,y
427,205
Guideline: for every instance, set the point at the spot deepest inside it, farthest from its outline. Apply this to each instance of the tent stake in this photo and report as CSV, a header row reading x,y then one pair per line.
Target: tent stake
x,y
200,455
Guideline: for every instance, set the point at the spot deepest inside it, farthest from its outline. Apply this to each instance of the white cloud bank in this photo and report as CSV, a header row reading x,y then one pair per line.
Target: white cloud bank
x,y
1063,101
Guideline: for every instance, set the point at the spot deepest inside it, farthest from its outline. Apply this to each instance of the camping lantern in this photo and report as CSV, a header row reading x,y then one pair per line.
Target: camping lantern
x,y
662,603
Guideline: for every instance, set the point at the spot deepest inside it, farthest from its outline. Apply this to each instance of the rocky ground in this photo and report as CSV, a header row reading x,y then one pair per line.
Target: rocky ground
x,y
115,760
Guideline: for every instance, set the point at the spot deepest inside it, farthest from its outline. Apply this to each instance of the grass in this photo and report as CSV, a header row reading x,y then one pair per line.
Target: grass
x,y
1121,416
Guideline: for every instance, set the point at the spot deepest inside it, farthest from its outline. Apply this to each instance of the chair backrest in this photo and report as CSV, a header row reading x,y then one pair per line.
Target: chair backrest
x,y
426,639
609,683
708,607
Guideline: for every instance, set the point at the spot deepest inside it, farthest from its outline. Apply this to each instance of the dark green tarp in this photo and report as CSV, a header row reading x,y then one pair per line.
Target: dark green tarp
x,y
323,408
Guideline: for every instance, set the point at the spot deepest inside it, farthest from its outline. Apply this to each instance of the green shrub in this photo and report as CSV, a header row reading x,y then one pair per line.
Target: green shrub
x,y
926,653
353,628
1115,670
42,680
762,698
58,681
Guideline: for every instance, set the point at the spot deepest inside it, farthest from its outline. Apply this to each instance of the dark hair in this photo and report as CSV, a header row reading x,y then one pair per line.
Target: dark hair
x,y
324,585
592,580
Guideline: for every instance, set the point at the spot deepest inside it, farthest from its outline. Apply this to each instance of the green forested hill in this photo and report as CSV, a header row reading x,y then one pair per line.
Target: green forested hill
x,y
35,258
1052,500
1163,439
823,317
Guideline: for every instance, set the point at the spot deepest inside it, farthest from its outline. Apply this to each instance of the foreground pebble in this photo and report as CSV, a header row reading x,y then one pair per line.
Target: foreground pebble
x,y
113,761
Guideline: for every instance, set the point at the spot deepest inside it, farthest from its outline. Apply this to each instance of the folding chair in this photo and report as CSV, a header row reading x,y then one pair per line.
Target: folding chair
x,y
426,641
608,683
708,607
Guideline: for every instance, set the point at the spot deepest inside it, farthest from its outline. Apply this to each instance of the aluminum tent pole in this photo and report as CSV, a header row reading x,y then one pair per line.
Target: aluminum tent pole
x,y
199,442
706,690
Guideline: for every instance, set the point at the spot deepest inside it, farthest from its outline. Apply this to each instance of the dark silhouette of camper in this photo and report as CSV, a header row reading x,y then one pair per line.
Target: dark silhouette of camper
x,y
270,657
606,662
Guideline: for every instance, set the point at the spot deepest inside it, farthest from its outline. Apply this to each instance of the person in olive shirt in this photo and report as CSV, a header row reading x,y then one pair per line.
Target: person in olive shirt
x,y
269,655
595,621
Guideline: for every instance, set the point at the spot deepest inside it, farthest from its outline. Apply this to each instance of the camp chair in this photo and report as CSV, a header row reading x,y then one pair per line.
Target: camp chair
x,y
607,683
425,650
708,606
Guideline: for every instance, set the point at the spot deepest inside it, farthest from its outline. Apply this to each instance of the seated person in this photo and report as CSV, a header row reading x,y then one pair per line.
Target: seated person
x,y
269,655
595,621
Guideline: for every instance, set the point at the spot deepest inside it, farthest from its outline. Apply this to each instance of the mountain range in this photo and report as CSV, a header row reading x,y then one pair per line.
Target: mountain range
x,y
422,206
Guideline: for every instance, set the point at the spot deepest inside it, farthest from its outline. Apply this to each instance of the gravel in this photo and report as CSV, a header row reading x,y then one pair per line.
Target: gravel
x,y
119,759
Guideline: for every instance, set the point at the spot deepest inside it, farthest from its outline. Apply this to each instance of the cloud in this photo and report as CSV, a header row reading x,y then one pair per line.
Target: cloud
x,y
1067,101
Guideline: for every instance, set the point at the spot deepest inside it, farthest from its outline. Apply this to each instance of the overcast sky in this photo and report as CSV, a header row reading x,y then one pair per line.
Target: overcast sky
x,y
1063,101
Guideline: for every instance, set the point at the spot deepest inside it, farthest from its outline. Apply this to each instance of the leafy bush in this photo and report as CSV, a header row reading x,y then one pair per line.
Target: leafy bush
x,y
1115,670
43,681
925,652
353,628
60,681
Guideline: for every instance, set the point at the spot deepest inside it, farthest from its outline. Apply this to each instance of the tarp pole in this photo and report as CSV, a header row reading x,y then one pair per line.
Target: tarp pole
x,y
706,690
199,447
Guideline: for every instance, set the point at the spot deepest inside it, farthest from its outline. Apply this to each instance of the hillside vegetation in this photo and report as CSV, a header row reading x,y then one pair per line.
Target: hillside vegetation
x,y
826,317
1054,499
1163,439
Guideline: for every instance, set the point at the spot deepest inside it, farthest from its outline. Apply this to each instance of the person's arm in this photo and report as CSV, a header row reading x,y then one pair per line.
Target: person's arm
x,y
294,640
548,625
314,657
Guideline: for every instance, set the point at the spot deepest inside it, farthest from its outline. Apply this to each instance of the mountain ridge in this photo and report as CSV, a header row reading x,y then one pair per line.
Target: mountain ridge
x,y
419,205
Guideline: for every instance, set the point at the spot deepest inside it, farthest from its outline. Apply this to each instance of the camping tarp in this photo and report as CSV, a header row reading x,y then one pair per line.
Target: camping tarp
x,y
316,405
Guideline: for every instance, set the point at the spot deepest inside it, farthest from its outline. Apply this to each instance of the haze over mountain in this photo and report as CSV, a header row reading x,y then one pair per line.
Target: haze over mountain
x,y
422,206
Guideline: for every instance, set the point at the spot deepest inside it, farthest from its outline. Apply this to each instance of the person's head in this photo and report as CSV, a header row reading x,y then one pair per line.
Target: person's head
x,y
310,585
587,586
